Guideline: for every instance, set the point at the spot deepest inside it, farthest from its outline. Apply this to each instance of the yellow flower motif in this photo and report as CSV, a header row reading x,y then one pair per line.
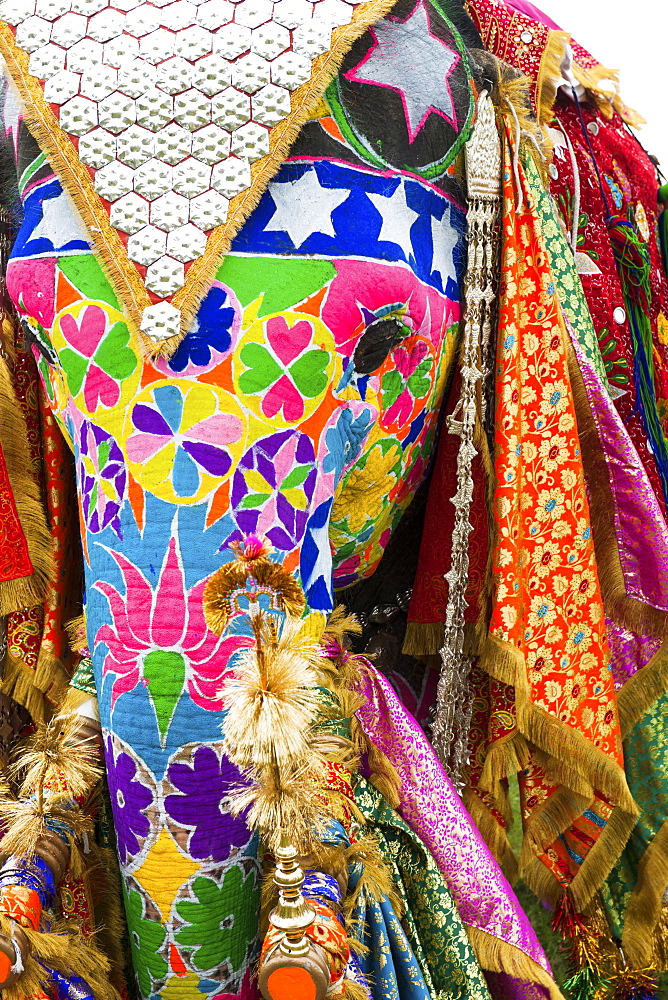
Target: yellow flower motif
x,y
530,343
566,422
587,717
579,638
550,505
366,489
552,344
542,611
555,398
569,479
544,558
583,532
561,529
584,585
554,452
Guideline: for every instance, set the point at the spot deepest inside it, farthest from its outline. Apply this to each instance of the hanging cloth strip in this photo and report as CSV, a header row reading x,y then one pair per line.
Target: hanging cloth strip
x,y
433,810
39,660
546,634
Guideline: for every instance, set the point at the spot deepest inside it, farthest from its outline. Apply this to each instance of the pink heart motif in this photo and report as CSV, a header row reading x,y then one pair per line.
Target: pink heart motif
x,y
283,396
85,337
100,387
286,342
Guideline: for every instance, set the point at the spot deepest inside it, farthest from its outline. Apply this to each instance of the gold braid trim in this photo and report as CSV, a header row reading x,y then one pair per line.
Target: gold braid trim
x,y
26,591
579,767
495,955
77,180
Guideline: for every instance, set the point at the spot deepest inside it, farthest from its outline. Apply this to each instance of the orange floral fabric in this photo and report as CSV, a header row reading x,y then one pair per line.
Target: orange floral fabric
x,y
547,602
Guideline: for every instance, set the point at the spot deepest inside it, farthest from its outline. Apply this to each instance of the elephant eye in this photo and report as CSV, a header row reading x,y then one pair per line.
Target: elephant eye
x,y
379,338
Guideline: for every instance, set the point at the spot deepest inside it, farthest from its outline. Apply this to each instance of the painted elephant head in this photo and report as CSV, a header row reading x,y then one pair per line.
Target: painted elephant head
x,y
302,406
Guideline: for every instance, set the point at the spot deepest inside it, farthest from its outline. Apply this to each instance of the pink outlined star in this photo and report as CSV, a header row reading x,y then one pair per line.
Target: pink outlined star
x,y
407,57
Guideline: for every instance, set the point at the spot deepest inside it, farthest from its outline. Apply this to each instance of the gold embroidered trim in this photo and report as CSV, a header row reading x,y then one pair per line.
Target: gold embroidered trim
x,y
76,179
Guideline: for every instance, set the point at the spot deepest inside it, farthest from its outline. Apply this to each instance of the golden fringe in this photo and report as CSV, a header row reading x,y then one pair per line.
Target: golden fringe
x,y
425,639
26,591
18,683
514,90
63,950
549,73
41,690
376,880
77,181
341,623
54,766
493,834
73,701
271,701
593,79
75,630
384,775
575,760
353,991
627,611
643,910
495,955
506,664
56,758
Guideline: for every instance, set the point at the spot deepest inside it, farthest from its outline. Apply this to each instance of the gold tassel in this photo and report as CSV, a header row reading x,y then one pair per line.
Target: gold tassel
x,y
54,767
353,991
61,949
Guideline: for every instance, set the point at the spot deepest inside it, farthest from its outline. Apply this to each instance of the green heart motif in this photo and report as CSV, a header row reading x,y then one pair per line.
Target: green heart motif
x,y
309,373
75,367
262,370
114,355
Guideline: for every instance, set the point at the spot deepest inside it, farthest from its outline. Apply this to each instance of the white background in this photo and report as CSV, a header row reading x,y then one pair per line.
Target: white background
x,y
632,36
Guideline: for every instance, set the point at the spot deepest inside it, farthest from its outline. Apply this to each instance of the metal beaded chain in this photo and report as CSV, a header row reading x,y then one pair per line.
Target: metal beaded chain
x,y
483,167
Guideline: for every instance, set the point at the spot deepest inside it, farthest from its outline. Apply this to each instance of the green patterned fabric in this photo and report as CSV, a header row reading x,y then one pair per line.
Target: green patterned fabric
x,y
567,280
84,679
431,923
646,765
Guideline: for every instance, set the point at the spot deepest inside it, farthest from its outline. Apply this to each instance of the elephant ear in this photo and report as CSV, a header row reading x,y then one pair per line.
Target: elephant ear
x,y
404,98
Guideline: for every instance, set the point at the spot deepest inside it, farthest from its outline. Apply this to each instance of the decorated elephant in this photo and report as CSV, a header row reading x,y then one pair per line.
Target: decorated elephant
x,y
237,243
